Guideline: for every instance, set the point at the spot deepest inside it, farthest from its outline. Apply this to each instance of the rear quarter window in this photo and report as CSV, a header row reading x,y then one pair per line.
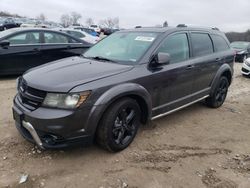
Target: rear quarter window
x,y
220,43
202,44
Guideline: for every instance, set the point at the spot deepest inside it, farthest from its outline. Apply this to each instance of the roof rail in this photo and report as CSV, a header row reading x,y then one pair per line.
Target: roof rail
x,y
181,25
184,25
215,28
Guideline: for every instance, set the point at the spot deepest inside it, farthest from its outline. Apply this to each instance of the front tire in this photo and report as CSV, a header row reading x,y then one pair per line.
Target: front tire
x,y
217,98
119,125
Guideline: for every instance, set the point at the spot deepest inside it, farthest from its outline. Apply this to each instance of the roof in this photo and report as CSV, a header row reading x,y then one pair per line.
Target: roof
x,y
181,28
16,29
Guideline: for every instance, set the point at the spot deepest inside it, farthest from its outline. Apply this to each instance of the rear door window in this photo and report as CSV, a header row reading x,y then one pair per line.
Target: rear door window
x,y
202,44
220,43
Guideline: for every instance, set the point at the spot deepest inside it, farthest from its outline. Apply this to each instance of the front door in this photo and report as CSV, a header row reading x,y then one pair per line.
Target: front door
x,y
175,79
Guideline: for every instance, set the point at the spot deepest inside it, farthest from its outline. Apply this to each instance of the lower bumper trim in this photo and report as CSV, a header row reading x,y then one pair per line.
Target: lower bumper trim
x,y
33,133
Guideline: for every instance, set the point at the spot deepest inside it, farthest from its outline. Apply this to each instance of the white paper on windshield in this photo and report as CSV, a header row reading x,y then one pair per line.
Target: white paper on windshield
x,y
145,39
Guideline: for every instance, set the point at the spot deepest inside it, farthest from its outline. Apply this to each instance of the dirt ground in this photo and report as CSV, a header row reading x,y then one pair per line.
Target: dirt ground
x,y
195,147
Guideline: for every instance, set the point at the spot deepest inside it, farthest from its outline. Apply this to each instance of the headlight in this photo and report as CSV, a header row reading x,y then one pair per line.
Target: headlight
x,y
247,62
66,101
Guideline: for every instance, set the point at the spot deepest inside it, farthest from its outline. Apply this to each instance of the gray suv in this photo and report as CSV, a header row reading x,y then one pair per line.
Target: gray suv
x,y
125,80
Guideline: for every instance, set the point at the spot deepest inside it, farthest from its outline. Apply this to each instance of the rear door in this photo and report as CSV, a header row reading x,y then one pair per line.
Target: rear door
x,y
57,46
22,54
206,62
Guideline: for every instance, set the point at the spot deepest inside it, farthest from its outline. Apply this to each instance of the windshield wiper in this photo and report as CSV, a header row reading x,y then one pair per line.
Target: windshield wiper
x,y
102,58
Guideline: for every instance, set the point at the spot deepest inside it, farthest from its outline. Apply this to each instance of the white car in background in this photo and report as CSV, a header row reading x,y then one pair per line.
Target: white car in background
x,y
96,28
29,23
81,35
246,67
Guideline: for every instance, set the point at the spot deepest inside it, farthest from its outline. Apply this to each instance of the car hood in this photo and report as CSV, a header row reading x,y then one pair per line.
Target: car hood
x,y
64,74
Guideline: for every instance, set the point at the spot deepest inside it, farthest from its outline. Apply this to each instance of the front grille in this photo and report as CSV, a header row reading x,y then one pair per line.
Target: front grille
x,y
29,97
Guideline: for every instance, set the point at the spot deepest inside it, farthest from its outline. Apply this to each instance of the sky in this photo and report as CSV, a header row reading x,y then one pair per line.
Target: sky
x,y
228,15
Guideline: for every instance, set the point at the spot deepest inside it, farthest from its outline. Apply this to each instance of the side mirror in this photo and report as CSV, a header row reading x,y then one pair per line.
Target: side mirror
x,y
4,44
163,58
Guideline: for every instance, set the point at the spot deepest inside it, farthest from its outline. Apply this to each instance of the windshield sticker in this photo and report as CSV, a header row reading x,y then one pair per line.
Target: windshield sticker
x,y
145,39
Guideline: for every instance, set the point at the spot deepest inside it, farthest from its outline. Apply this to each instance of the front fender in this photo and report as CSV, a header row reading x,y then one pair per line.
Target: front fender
x,y
111,95
123,90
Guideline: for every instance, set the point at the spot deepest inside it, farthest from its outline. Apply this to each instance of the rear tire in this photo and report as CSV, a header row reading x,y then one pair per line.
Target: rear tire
x,y
219,95
119,125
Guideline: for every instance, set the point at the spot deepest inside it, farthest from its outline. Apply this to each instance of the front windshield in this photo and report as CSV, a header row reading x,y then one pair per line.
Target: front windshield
x,y
123,46
240,45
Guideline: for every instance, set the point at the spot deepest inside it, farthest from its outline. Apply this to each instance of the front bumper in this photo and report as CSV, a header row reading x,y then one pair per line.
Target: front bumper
x,y
33,133
54,128
245,70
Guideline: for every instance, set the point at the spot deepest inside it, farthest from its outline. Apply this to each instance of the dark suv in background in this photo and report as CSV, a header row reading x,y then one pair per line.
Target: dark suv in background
x,y
7,23
242,50
120,83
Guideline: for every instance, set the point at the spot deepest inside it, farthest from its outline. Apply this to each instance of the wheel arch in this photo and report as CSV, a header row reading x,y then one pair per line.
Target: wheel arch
x,y
224,70
131,90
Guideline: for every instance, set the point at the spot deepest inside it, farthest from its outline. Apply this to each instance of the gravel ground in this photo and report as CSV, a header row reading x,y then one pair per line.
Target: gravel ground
x,y
195,147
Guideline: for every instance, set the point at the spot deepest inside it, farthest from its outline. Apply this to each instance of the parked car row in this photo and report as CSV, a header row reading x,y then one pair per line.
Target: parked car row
x,y
25,48
7,23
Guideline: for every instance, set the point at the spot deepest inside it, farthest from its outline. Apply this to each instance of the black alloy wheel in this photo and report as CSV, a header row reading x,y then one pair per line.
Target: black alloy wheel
x,y
119,125
220,93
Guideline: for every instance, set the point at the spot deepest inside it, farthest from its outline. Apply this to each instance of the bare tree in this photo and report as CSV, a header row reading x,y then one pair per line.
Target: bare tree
x,y
41,17
75,16
66,20
89,21
7,14
110,23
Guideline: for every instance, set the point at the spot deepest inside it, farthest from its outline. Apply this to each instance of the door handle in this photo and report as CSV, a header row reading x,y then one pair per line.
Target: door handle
x,y
36,49
190,67
218,59
69,47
